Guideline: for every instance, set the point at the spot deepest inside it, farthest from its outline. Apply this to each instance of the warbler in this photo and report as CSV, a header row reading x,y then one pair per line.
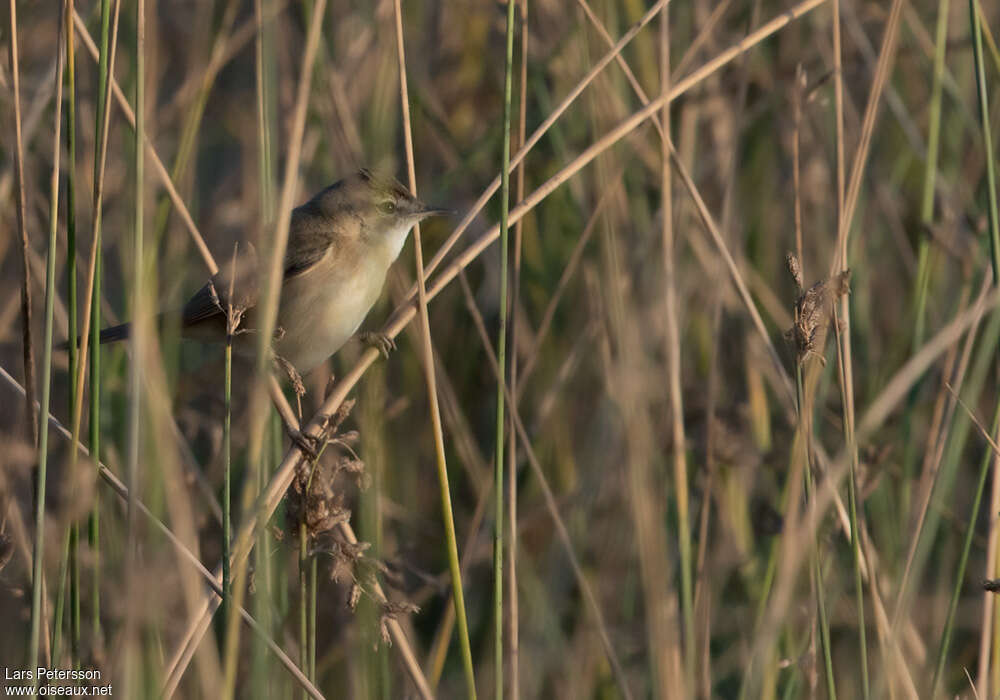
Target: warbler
x,y
341,244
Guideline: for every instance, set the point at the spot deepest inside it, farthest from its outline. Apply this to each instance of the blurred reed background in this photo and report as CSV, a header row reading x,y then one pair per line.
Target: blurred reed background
x,y
724,475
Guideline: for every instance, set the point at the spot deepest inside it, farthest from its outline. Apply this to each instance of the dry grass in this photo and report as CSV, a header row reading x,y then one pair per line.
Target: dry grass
x,y
659,535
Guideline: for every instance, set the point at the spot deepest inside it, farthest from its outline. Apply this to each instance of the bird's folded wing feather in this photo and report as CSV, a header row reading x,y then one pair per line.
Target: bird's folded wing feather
x,y
309,239
235,283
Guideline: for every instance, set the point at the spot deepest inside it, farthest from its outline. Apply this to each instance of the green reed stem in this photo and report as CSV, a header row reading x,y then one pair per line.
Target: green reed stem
x,y
984,116
43,438
498,463
132,644
227,483
311,622
303,595
984,470
924,258
94,430
72,548
264,58
859,591
824,625
60,610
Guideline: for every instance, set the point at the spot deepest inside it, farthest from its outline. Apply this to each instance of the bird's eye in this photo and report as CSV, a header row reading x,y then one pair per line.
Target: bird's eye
x,y
387,207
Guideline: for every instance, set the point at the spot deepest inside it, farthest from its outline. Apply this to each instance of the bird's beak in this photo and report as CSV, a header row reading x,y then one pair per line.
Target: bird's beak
x,y
424,211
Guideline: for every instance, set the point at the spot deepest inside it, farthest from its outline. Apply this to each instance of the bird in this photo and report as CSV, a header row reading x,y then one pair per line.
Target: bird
x,y
341,244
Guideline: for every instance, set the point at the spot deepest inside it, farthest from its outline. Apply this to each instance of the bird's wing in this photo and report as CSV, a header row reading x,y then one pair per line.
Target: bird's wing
x,y
235,283
309,238
202,306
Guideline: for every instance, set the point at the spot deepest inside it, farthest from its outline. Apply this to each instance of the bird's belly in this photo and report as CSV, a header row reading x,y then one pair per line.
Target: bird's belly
x,y
319,317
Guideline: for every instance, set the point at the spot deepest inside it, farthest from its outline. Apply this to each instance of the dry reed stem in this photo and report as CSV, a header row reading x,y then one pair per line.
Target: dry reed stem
x,y
955,365
624,369
462,439
289,184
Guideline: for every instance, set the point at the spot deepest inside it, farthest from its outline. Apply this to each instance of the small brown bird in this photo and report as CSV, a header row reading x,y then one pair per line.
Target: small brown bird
x,y
340,246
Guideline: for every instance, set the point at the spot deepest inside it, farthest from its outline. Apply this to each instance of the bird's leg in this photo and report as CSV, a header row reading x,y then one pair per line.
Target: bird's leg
x,y
380,341
311,445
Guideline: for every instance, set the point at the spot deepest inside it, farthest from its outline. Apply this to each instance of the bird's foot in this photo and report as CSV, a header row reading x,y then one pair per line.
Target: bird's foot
x,y
309,444
380,341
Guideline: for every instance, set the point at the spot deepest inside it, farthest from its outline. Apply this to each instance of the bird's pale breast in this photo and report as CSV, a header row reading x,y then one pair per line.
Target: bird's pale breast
x,y
323,307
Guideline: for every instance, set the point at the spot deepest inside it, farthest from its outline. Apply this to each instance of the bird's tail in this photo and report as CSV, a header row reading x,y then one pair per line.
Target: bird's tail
x,y
119,332
108,335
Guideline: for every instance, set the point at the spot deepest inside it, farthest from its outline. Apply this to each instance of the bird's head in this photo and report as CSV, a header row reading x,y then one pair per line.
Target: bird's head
x,y
382,208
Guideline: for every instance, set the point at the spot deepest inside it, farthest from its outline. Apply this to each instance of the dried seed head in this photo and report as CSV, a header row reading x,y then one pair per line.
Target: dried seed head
x,y
391,610
795,268
345,557
316,497
814,311
354,598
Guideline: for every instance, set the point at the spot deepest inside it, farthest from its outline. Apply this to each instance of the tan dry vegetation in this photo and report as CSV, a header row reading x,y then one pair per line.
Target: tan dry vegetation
x,y
680,531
